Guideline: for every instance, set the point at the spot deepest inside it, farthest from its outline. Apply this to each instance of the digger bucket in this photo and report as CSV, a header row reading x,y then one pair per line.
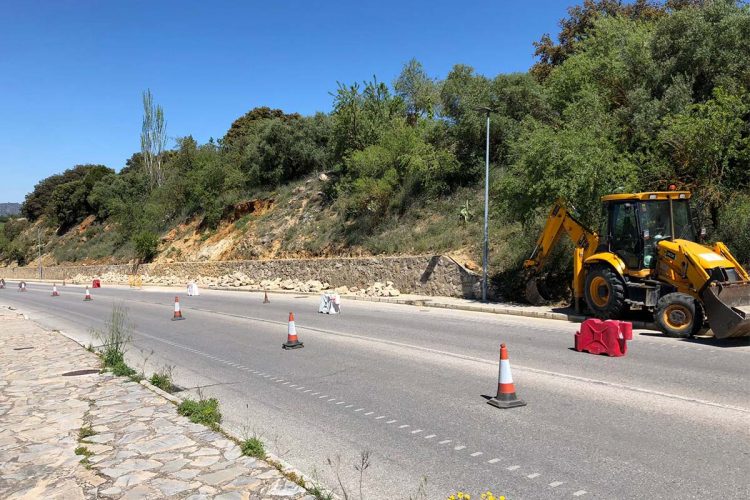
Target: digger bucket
x,y
727,306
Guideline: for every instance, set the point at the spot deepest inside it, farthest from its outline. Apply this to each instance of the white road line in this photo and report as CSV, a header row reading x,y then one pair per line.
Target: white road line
x,y
579,493
513,467
292,385
331,399
341,402
391,421
359,409
477,453
403,426
314,394
323,396
348,406
308,390
459,447
555,484
493,461
534,475
429,436
381,416
369,413
417,431
285,383
445,441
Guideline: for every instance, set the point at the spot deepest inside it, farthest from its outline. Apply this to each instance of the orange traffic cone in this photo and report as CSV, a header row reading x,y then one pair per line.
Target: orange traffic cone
x,y
54,290
291,339
265,299
177,312
88,295
506,391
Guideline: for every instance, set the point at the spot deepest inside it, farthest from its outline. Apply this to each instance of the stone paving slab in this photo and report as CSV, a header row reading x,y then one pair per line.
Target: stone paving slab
x,y
141,447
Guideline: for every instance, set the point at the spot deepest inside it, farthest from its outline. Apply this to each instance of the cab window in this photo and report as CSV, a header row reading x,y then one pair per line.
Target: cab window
x,y
624,235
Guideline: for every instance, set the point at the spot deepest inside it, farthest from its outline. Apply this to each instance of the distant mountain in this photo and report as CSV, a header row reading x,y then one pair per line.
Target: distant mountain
x,y
10,208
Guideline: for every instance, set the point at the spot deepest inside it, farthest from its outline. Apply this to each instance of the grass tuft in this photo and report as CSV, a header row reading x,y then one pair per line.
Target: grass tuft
x,y
253,447
203,411
86,431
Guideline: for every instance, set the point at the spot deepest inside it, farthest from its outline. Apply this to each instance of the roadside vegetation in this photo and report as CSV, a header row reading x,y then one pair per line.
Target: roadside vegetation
x,y
201,411
627,97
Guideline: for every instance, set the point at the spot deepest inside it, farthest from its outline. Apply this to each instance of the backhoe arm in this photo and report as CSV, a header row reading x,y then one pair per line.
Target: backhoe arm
x,y
560,220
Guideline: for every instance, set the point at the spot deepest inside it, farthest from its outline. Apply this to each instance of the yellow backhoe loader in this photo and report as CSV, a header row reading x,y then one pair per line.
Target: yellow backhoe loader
x,y
648,257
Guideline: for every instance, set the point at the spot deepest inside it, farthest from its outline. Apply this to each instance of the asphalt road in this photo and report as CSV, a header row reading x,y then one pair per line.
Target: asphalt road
x,y
669,420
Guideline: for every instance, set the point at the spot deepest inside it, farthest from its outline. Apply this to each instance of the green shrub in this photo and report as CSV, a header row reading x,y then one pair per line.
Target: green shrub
x,y
162,380
203,411
253,447
146,244
122,370
734,221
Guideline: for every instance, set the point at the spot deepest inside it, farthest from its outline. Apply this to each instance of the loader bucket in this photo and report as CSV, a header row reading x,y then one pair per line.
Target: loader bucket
x,y
727,306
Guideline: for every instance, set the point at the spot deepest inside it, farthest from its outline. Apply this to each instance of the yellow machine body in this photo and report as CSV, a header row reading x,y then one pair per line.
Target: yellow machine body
x,y
653,266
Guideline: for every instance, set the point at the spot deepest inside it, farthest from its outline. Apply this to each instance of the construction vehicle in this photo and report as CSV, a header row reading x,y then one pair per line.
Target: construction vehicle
x,y
649,256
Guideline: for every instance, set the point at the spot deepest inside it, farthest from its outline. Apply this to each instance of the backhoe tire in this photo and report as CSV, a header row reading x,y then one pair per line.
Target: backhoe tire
x,y
605,292
678,315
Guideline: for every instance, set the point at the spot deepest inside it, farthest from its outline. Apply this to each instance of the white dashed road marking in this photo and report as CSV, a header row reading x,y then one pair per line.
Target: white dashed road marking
x,y
403,426
429,436
391,421
555,484
417,431
477,453
534,475
459,447
579,493
513,467
493,461
445,441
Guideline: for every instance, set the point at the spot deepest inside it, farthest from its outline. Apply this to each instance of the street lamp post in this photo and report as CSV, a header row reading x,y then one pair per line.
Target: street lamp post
x,y
39,248
486,244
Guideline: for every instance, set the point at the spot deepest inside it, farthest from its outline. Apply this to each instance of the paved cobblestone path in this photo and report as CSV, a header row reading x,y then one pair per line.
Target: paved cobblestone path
x,y
141,447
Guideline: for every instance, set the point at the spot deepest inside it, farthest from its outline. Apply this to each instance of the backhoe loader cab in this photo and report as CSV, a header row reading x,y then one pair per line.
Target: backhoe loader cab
x,y
647,257
635,224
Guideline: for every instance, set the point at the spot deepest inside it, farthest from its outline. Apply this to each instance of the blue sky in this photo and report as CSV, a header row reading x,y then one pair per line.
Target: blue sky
x,y
72,71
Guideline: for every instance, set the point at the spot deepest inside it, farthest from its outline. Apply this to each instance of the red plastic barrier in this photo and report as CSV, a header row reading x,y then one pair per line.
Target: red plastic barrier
x,y
604,337
96,284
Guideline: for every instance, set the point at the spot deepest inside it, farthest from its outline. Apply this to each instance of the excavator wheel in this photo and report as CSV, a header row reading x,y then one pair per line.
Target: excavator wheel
x,y
604,292
678,315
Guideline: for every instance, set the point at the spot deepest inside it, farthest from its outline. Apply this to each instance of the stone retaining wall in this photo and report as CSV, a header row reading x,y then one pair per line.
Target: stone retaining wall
x,y
424,274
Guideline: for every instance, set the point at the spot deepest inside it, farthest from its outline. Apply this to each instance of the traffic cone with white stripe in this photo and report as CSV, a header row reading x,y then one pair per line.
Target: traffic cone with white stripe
x,y
292,342
506,390
88,295
55,293
265,298
177,312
